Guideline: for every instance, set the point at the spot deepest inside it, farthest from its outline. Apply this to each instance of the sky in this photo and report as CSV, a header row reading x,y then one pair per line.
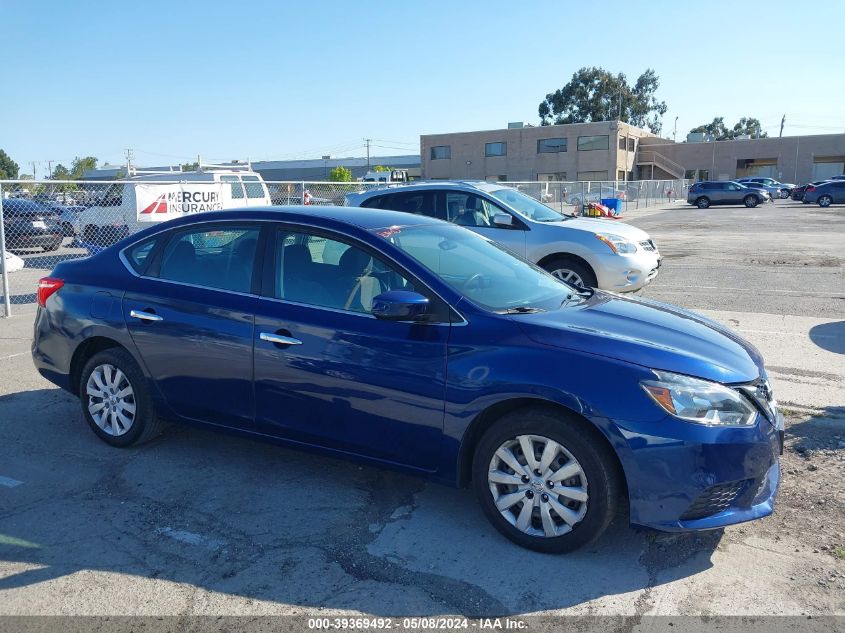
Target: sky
x,y
272,80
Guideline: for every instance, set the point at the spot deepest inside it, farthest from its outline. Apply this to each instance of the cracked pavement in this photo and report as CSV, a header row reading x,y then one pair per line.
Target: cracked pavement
x,y
199,523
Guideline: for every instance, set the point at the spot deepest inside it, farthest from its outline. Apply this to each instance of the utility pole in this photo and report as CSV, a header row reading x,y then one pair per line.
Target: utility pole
x,y
129,156
368,141
50,168
782,121
33,163
675,131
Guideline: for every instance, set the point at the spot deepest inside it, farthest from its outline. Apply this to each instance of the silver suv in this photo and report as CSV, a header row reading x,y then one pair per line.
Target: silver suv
x,y
602,253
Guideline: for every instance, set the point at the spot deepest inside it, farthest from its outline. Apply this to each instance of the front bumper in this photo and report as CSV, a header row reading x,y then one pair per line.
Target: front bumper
x,y
701,478
627,273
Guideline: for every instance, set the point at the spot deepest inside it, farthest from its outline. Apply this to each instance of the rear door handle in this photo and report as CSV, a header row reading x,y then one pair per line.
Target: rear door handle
x,y
279,339
145,316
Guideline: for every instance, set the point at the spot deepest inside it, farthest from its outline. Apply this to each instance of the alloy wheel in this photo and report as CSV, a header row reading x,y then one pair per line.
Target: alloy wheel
x,y
111,400
825,201
569,276
538,486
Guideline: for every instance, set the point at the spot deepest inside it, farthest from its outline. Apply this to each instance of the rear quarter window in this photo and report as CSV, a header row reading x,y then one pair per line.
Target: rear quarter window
x,y
138,255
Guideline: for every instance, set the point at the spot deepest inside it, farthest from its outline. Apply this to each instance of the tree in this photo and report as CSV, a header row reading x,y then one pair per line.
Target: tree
x,y
340,174
8,168
190,166
62,173
594,94
381,168
80,165
717,129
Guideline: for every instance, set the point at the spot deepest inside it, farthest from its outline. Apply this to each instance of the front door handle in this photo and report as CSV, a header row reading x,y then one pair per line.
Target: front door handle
x,y
279,339
144,316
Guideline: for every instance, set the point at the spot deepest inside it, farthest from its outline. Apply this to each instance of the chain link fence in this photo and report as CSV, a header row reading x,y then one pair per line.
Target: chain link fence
x,y
46,222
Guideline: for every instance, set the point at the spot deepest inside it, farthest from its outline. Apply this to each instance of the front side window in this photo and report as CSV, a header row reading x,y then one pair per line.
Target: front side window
x,y
478,269
495,149
551,145
441,152
254,188
221,258
468,209
323,272
113,196
591,143
235,183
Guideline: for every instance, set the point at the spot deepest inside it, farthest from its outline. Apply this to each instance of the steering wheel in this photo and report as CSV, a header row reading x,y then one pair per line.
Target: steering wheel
x,y
476,278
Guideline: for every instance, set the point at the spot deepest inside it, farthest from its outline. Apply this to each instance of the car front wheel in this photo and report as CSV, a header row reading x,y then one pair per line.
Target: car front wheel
x,y
572,272
116,401
545,483
825,201
751,201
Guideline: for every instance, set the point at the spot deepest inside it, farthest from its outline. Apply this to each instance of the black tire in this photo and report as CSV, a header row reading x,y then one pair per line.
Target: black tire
x,y
588,277
751,201
597,461
145,424
784,194
67,229
825,201
702,203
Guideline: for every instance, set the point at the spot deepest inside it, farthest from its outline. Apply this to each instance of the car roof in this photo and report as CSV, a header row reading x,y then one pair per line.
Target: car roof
x,y
367,219
464,185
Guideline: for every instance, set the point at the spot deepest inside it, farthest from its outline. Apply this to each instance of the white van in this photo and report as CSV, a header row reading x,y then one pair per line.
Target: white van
x,y
392,175
129,206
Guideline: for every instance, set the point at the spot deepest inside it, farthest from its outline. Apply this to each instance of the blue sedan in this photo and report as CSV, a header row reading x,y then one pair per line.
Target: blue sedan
x,y
417,344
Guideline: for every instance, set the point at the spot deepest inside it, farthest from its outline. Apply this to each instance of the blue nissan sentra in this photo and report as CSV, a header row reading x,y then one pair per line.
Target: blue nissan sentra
x,y
416,344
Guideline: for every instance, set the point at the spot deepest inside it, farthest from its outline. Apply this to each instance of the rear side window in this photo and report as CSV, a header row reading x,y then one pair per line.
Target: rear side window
x,y
374,202
221,258
254,188
418,202
138,256
237,187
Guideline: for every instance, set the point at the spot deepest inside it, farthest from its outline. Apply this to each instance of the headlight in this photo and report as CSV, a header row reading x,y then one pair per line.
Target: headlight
x,y
700,401
617,243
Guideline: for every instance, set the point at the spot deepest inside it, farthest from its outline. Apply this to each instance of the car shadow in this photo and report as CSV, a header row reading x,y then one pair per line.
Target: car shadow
x,y
822,431
243,518
829,336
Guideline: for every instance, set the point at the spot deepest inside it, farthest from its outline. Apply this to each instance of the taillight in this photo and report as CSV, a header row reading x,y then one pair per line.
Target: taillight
x,y
809,188
46,287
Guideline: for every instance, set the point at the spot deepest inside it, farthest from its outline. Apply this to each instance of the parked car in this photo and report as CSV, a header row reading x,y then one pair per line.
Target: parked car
x,y
427,348
29,224
842,177
68,217
826,194
591,252
798,192
777,189
707,193
13,263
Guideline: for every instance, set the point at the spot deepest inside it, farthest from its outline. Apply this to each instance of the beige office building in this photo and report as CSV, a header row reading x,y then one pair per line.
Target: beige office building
x,y
613,150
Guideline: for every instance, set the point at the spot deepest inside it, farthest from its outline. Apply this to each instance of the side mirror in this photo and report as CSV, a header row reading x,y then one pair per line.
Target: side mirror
x,y
503,219
399,305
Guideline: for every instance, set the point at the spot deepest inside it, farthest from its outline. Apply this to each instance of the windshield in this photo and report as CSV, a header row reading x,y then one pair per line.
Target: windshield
x,y
480,270
528,206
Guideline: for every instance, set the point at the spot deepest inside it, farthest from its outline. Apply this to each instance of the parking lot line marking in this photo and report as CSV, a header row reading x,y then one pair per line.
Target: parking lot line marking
x,y
9,482
752,290
14,355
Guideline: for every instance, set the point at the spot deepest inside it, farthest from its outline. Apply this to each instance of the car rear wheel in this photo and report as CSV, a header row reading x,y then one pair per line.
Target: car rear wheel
x,y
116,401
53,247
572,272
784,193
825,201
702,202
545,483
751,201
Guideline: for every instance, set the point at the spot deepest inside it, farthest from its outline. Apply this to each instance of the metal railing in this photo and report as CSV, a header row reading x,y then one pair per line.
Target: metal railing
x,y
651,157
45,222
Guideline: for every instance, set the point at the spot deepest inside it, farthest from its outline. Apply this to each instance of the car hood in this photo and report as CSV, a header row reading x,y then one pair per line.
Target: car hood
x,y
647,333
594,225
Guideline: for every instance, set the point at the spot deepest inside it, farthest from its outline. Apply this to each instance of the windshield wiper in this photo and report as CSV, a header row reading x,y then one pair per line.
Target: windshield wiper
x,y
522,310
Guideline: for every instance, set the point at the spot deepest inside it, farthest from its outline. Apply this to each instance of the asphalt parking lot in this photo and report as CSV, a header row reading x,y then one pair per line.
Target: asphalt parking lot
x,y
201,523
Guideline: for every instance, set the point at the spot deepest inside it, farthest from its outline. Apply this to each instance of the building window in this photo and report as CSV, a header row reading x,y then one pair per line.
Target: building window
x,y
632,143
592,175
440,152
620,174
551,145
622,143
551,177
495,149
590,143
499,178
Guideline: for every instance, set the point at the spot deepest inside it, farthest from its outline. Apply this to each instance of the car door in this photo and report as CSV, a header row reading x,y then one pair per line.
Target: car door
x,y
190,315
327,372
476,213
837,190
733,193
